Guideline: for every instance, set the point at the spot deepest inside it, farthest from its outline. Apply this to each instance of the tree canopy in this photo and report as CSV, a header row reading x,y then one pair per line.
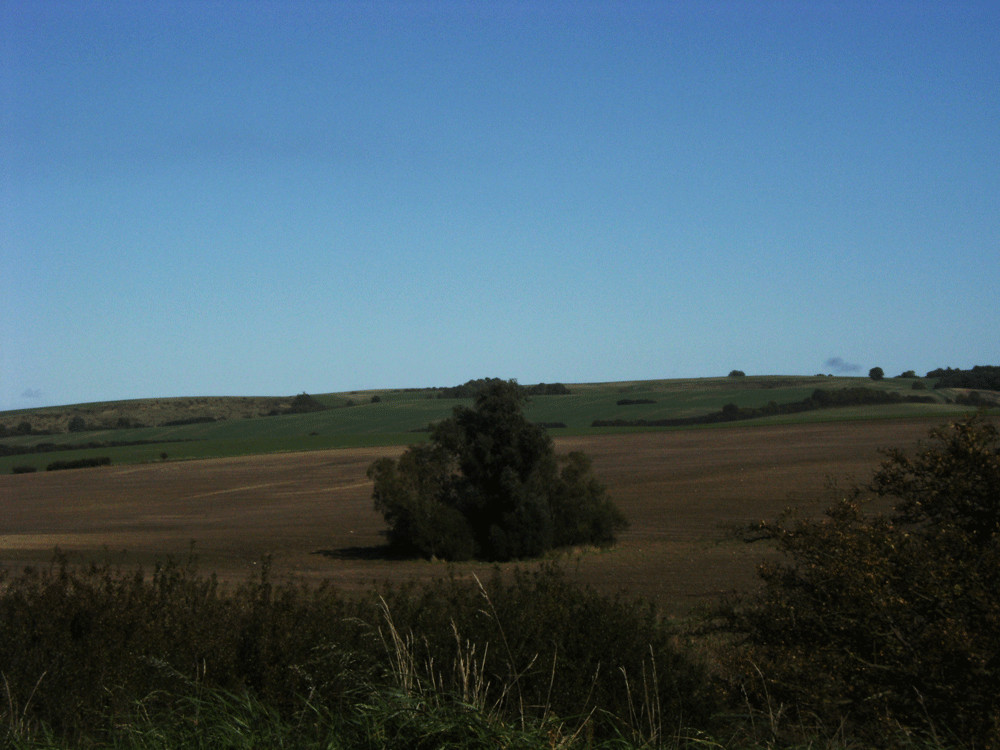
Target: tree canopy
x,y
489,485
892,618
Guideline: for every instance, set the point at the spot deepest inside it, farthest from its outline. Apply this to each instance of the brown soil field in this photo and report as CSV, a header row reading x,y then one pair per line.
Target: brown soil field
x,y
312,512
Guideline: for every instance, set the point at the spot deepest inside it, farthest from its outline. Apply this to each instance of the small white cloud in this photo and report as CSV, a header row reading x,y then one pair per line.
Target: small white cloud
x,y
31,393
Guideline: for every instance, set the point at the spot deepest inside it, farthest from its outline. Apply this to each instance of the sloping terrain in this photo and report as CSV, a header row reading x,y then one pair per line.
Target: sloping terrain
x,y
312,512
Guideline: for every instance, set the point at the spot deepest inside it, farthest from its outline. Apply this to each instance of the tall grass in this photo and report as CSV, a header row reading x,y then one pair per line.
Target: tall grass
x,y
100,656
104,657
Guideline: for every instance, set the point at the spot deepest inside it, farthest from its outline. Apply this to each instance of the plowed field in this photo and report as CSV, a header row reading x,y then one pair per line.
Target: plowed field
x,y
312,512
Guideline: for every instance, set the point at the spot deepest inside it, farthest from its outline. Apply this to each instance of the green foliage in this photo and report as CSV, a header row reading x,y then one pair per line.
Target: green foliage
x,y
105,657
821,398
305,404
489,485
473,389
876,373
79,463
882,619
77,424
907,374
737,374
986,377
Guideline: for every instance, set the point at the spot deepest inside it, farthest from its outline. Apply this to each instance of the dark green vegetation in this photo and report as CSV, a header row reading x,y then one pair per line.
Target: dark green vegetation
x,y
821,398
981,376
887,618
488,485
474,388
137,431
80,463
879,626
95,655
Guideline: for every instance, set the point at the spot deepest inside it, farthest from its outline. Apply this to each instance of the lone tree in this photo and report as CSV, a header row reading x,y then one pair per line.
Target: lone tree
x,y
876,373
489,485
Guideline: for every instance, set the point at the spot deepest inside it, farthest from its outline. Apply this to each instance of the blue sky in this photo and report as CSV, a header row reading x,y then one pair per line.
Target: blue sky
x,y
264,198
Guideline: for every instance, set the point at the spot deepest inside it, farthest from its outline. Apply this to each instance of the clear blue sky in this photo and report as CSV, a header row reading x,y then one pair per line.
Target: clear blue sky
x,y
264,198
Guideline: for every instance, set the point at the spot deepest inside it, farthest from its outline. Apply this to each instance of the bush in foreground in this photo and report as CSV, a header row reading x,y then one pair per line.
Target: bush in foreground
x,y
884,619
86,654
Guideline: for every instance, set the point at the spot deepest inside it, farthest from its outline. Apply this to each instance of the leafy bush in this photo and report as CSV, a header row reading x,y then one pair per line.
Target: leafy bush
x,y
473,389
23,469
737,374
206,419
880,619
81,648
489,485
546,645
986,377
876,373
305,404
79,463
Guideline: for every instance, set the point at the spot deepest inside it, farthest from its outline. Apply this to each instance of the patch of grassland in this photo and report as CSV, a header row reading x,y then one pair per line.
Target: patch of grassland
x,y
399,417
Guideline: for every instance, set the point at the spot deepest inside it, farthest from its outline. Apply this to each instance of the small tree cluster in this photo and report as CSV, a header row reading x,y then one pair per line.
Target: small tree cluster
x,y
489,485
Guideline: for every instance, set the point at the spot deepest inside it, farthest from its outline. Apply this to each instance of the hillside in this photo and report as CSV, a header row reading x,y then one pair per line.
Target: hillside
x,y
184,428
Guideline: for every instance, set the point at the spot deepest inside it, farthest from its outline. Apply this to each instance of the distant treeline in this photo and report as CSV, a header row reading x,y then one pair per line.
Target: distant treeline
x,y
473,388
188,420
820,399
22,450
301,404
79,463
634,401
986,377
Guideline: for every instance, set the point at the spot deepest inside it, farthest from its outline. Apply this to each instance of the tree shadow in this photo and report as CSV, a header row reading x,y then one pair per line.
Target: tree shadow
x,y
375,552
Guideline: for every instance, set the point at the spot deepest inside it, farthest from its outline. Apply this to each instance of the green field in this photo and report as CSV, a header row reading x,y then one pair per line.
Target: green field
x,y
401,417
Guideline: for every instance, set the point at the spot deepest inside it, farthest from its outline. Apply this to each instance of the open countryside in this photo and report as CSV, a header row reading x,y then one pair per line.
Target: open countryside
x,y
280,487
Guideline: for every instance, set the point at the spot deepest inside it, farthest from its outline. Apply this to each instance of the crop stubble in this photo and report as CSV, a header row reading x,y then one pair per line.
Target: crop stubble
x,y
312,512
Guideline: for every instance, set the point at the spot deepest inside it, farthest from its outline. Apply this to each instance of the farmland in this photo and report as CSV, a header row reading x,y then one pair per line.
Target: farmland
x,y
196,428
312,511
288,493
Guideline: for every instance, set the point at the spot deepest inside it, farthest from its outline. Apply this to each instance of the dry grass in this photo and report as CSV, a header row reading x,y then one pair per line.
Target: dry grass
x,y
312,512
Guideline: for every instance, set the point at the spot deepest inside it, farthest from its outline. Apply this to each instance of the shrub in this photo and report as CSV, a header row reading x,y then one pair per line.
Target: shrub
x,y
986,377
82,647
737,374
880,619
23,469
548,646
876,373
305,404
79,463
